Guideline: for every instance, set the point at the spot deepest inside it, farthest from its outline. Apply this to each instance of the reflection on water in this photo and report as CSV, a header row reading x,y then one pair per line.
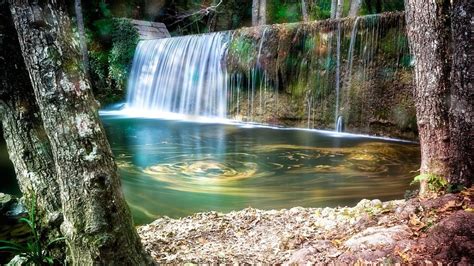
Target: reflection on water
x,y
177,168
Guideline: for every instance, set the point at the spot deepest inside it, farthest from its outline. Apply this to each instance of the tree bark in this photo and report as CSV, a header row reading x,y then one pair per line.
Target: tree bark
x,y
445,130
333,8
355,6
339,8
27,143
82,36
263,12
259,12
304,10
461,113
97,222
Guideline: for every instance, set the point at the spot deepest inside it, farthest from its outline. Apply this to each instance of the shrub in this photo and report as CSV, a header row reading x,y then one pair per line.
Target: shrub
x,y
111,54
124,41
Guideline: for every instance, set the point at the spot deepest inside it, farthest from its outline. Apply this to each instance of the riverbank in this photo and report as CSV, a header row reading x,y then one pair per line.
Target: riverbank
x,y
414,230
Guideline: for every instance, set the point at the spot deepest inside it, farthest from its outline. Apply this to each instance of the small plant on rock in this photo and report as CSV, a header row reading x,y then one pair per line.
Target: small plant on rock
x,y
435,183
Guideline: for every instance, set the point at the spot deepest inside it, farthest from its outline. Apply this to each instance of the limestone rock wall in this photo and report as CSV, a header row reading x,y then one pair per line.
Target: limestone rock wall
x,y
150,30
307,74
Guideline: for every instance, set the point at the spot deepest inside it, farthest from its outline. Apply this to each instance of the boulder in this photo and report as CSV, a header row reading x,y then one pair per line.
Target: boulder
x,y
377,237
6,201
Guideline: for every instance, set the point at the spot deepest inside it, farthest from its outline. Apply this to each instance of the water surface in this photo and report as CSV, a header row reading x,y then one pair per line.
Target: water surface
x,y
177,168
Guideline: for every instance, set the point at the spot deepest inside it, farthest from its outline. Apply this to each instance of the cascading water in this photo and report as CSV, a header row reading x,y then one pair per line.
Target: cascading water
x,y
184,75
296,75
338,73
340,124
310,74
350,53
262,40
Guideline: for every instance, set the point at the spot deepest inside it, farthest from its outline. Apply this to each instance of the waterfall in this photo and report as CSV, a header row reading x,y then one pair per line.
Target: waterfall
x,y
296,75
340,124
338,72
350,53
184,75
262,40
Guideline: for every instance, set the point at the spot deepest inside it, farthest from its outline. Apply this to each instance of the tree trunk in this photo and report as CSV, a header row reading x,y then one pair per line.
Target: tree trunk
x,y
429,43
259,11
444,151
82,35
263,12
255,12
462,94
378,6
339,8
304,10
97,222
28,146
355,6
333,8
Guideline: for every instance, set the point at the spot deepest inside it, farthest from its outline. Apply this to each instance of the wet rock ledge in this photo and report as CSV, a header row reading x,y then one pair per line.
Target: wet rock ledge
x,y
403,231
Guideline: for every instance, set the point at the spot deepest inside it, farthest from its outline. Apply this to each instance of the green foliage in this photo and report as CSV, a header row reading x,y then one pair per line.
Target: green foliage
x,y
103,27
112,42
282,11
388,45
98,61
104,8
370,7
320,10
243,49
110,63
124,41
33,251
435,183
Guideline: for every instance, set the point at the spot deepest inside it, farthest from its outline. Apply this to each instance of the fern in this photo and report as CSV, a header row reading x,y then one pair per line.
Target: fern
x,y
435,183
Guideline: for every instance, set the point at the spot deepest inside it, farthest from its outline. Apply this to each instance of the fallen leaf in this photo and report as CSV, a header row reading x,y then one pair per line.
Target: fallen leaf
x,y
416,223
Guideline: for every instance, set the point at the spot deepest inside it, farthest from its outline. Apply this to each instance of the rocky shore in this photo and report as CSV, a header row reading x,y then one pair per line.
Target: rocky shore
x,y
401,231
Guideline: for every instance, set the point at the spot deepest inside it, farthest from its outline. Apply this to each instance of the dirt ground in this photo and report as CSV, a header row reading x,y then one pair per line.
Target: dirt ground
x,y
424,231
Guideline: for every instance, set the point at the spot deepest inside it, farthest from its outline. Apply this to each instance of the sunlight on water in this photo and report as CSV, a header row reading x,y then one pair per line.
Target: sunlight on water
x,y
128,112
177,168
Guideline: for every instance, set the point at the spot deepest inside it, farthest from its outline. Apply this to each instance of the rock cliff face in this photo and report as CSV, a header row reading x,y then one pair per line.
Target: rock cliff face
x,y
308,74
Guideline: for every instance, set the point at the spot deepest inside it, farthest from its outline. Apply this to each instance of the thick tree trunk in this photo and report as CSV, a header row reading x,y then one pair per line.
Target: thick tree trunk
x,y
97,222
462,94
24,134
259,12
429,42
304,10
443,142
355,6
